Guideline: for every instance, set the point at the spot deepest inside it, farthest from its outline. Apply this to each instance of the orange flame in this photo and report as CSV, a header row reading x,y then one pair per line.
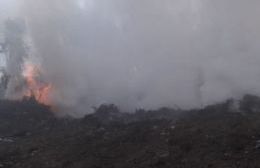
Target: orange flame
x,y
35,87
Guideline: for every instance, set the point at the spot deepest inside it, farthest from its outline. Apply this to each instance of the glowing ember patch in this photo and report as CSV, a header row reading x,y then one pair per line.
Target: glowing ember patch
x,y
35,86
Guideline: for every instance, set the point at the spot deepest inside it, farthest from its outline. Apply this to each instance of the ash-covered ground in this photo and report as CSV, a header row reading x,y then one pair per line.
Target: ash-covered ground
x,y
226,135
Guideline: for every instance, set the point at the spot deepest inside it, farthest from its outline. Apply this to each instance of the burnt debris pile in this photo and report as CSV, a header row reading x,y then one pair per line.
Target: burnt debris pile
x,y
222,135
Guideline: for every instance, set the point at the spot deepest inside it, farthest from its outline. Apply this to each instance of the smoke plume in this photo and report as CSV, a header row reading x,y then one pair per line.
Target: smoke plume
x,y
146,53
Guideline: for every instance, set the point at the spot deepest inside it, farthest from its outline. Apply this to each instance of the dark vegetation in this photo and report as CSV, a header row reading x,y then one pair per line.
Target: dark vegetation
x,y
226,135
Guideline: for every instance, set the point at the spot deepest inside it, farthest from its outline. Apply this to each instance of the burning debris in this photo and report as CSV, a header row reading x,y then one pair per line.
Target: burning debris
x,y
35,86
21,77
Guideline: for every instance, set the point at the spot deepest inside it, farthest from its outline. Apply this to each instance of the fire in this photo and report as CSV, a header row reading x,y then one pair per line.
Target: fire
x,y
35,86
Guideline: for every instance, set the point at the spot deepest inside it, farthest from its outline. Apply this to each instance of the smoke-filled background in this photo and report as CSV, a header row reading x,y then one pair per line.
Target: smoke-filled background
x,y
145,53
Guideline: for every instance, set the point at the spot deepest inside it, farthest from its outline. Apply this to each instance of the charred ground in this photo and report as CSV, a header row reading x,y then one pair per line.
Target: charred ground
x,y
225,135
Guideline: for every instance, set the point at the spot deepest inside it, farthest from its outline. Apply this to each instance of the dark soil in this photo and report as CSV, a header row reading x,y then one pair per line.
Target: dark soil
x,y
218,136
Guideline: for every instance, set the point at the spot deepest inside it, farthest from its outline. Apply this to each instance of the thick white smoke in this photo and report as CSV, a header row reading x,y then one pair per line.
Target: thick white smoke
x,y
147,53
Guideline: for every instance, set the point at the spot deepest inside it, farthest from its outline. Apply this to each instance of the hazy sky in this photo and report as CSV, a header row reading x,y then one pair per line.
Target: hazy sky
x,y
147,53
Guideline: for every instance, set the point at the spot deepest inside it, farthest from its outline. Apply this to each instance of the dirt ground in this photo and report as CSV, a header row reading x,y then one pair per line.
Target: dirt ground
x,y
225,135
